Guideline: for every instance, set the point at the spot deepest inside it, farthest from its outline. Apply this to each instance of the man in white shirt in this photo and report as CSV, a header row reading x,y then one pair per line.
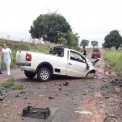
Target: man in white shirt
x,y
7,55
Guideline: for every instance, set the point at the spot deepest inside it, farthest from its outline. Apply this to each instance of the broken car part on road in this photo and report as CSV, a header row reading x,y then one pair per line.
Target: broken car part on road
x,y
39,113
1,96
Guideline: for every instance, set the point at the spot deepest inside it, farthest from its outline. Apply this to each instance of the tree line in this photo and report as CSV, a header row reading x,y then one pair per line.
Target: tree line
x,y
54,28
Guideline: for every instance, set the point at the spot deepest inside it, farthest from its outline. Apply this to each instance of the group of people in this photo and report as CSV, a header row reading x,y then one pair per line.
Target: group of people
x,y
6,54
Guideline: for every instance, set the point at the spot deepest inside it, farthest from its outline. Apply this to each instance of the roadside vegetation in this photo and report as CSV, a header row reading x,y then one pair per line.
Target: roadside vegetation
x,y
115,60
104,86
10,84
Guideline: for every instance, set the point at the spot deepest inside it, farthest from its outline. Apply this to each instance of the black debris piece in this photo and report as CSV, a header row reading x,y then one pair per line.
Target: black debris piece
x,y
1,96
65,83
104,80
117,82
60,88
17,95
51,97
23,92
39,113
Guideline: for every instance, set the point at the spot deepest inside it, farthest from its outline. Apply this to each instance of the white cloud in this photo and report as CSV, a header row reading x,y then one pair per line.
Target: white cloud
x,y
92,19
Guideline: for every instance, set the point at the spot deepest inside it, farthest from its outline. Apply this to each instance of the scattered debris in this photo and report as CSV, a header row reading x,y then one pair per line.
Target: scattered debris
x,y
39,113
104,80
25,97
117,82
84,112
84,93
66,94
51,97
107,97
65,83
110,119
17,95
58,84
60,88
23,92
42,95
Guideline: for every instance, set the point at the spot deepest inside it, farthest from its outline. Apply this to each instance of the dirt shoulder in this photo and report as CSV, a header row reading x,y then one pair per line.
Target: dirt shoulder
x,y
95,99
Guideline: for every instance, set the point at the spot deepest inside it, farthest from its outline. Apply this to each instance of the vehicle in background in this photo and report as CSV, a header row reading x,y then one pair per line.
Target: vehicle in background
x,y
96,53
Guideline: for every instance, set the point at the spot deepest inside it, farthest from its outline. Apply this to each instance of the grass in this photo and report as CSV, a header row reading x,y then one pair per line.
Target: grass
x,y
56,120
104,86
114,58
10,84
87,82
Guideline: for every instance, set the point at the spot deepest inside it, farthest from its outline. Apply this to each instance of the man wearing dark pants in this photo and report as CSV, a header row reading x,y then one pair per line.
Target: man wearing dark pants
x,y
84,51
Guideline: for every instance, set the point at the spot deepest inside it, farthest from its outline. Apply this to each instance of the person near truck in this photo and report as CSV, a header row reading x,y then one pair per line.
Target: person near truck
x,y
84,51
1,60
7,55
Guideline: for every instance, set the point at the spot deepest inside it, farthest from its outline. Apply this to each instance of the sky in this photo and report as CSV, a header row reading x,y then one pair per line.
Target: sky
x,y
91,19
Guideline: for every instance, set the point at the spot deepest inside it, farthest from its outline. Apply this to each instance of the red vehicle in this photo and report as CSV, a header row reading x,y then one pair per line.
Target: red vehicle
x,y
96,53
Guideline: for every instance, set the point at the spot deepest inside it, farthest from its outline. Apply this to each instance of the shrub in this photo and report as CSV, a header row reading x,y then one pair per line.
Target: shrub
x,y
10,84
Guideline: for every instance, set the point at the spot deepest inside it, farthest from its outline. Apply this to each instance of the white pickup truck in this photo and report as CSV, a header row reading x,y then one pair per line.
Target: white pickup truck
x,y
59,61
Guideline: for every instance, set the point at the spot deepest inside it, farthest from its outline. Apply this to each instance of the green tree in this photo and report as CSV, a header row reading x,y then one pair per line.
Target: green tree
x,y
113,39
84,43
50,27
72,39
68,39
94,43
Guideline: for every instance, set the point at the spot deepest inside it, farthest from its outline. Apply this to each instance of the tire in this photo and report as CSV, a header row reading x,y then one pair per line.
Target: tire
x,y
43,74
29,74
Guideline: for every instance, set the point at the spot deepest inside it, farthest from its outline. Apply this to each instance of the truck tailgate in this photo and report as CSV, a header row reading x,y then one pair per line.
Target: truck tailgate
x,y
21,56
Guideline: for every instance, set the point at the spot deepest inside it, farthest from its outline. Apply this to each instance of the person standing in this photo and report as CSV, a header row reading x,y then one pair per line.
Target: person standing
x,y
1,60
84,51
7,55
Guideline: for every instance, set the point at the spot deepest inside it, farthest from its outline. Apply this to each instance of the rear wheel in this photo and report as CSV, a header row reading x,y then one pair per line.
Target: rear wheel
x,y
44,74
29,74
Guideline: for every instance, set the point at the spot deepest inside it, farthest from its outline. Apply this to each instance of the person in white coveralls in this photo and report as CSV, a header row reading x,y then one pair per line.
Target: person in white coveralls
x,y
7,55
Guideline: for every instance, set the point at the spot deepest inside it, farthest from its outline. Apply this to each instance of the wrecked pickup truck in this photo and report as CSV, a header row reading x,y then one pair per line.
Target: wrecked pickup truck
x,y
59,61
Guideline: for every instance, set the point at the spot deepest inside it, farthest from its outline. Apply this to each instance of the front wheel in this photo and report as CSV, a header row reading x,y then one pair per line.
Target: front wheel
x,y
43,74
29,74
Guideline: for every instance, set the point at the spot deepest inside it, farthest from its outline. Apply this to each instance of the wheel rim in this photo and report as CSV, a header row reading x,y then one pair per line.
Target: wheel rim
x,y
44,75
